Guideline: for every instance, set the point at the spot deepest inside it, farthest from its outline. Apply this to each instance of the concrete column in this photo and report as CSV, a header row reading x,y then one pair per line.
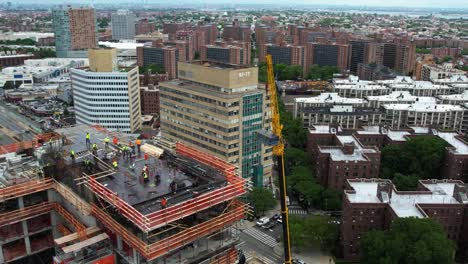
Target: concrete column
x,y
136,257
119,242
28,245
20,202
2,260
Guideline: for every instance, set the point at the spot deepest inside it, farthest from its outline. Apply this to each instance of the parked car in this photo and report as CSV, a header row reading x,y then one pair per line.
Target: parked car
x,y
275,217
279,220
269,225
263,221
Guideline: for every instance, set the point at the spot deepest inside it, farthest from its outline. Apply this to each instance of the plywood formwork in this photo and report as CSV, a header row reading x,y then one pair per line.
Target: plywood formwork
x,y
151,221
157,249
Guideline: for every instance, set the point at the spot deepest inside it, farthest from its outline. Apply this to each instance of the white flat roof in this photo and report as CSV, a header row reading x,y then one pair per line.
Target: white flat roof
x,y
400,96
460,146
360,86
456,97
337,154
321,129
403,204
329,98
121,45
423,107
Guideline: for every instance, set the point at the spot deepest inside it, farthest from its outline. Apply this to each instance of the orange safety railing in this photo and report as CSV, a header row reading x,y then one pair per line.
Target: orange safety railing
x,y
26,213
152,251
230,256
151,221
28,144
79,227
25,188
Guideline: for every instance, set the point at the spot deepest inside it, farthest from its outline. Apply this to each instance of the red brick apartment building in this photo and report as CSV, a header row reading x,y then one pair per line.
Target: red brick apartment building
x,y
372,204
340,154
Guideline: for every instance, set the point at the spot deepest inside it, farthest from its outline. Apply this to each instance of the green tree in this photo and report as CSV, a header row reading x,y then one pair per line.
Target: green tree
x,y
423,51
409,240
295,157
262,73
290,72
447,59
103,22
405,182
331,200
318,231
261,199
322,72
421,156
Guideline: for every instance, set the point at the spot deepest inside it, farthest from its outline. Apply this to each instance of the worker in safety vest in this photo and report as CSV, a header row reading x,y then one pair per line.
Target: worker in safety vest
x,y
138,143
163,202
115,165
87,164
145,177
106,141
88,138
115,140
72,155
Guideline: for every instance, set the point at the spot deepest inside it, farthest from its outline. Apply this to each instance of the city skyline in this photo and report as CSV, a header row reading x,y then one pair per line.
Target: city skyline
x,y
423,4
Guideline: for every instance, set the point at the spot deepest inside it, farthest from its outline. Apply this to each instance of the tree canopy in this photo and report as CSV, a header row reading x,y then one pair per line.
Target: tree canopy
x,y
261,199
409,240
282,72
27,42
154,68
303,186
320,231
295,157
421,157
293,128
322,73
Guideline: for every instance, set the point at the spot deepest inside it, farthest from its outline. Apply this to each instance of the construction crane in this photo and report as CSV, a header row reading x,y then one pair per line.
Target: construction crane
x,y
277,142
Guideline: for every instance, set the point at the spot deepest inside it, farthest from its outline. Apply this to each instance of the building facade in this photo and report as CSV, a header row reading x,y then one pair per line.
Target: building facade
x,y
75,31
162,56
109,99
123,25
149,100
372,204
323,54
232,52
220,109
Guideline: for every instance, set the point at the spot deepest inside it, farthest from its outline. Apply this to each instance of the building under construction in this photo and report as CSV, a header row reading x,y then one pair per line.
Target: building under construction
x,y
86,195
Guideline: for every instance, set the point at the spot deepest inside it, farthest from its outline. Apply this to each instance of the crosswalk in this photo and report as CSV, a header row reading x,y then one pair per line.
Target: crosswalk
x,y
265,260
262,237
297,211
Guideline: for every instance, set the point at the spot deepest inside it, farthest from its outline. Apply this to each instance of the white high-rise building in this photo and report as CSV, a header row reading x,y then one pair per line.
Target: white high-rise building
x,y
123,25
109,99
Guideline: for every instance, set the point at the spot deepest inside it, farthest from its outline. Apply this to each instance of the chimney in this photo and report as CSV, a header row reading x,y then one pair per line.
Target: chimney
x,y
348,148
384,191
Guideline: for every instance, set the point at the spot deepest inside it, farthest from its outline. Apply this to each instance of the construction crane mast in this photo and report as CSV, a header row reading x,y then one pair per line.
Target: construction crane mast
x,y
278,152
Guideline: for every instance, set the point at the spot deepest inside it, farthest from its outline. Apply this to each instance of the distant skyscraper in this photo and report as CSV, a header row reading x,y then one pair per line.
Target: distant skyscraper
x,y
75,31
123,25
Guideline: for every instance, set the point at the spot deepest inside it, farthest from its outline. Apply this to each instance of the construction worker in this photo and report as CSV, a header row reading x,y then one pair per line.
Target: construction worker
x,y
145,177
87,164
88,138
163,202
146,156
157,179
115,165
145,168
138,143
132,147
106,141
72,155
115,140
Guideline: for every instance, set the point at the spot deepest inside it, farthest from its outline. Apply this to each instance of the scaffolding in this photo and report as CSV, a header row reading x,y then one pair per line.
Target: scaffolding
x,y
28,144
157,249
154,220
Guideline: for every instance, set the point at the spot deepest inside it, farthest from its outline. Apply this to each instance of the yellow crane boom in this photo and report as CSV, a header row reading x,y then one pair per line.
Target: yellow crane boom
x,y
278,152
